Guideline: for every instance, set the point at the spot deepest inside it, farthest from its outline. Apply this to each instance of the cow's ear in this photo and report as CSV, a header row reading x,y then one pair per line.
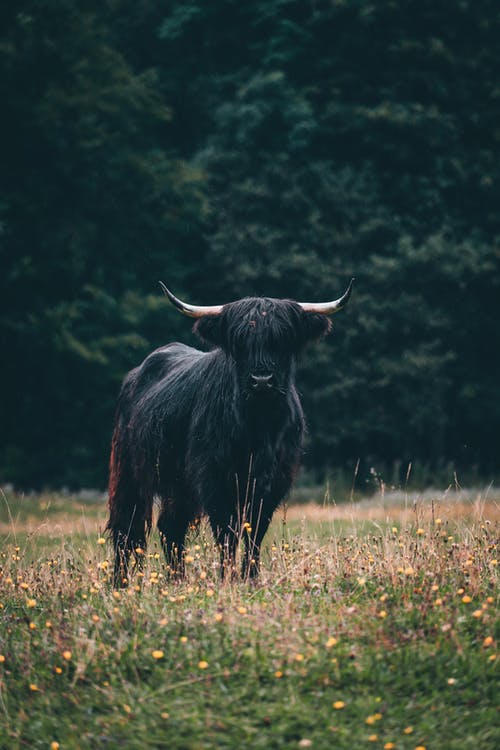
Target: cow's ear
x,y
315,326
209,329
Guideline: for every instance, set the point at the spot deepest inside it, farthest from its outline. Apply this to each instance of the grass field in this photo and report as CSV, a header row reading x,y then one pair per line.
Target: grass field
x,y
374,625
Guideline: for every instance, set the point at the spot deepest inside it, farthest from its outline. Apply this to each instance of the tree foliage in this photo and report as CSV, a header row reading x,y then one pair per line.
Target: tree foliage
x,y
269,148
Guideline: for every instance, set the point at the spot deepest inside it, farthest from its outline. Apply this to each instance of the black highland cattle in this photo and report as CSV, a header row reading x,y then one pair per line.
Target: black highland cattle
x,y
217,432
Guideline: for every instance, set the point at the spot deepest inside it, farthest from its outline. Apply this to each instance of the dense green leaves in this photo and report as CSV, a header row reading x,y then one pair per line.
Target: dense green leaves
x,y
268,148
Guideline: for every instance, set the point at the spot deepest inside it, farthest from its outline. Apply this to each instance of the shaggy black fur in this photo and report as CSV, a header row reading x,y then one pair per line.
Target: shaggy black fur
x,y
197,431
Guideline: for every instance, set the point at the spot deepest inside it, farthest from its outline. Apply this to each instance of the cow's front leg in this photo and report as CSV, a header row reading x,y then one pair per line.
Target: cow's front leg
x,y
226,538
253,532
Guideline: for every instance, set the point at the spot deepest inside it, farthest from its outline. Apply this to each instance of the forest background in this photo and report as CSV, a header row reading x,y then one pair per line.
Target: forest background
x,y
272,148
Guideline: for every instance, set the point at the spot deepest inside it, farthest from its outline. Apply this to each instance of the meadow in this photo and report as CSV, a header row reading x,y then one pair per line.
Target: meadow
x,y
374,624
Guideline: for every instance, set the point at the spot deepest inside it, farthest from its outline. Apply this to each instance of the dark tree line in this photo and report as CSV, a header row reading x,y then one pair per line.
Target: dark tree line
x,y
274,147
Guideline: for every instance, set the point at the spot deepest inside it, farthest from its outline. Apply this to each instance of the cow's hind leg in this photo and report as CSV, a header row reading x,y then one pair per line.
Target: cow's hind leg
x,y
173,525
129,538
130,513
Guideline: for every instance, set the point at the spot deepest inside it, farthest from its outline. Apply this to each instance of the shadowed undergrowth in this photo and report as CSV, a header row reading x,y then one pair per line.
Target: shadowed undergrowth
x,y
367,628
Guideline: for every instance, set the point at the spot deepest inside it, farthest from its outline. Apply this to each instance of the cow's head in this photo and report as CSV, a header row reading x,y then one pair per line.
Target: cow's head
x,y
263,336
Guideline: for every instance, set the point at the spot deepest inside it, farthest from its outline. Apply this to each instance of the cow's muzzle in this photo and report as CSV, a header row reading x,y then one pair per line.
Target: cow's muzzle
x,y
262,382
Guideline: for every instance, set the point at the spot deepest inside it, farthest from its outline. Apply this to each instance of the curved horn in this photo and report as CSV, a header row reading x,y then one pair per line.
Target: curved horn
x,y
194,311
327,308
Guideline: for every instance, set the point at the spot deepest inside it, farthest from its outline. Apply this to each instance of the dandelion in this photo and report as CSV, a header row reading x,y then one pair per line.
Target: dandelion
x,y
183,639
477,613
157,654
58,670
2,658
373,738
242,610
338,705
382,614
32,626
165,715
299,657
409,572
203,664
30,603
389,746
420,532
210,592
305,743
101,540
95,618
466,599
48,624
218,617
451,680
408,730
331,642
278,674
492,657
67,655
33,687
54,745
420,747
188,558
488,641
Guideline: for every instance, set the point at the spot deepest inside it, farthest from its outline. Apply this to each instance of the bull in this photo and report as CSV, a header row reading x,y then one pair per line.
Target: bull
x,y
215,432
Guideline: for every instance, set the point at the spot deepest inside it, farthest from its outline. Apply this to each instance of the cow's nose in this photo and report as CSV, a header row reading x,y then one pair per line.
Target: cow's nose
x,y
261,382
